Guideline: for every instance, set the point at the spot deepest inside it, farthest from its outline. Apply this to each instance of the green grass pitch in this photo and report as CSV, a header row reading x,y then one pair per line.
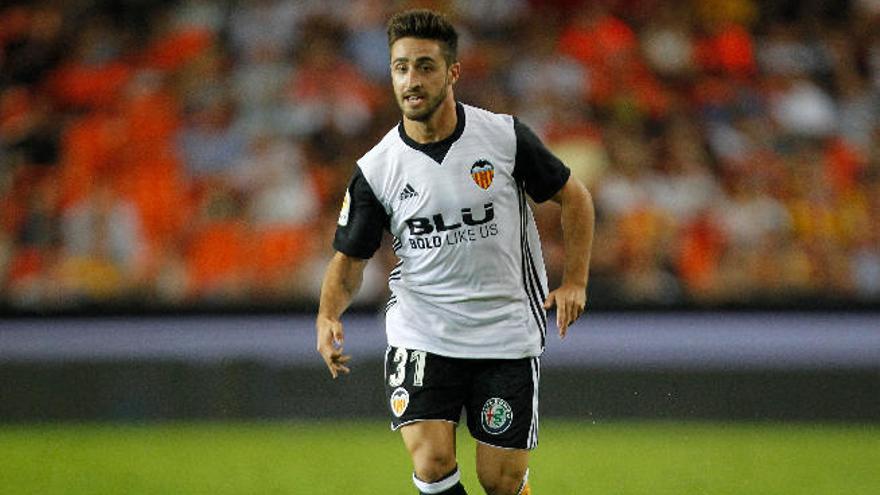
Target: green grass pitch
x,y
365,458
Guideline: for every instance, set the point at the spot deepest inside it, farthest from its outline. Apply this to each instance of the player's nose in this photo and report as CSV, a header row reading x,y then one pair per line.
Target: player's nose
x,y
412,81
411,87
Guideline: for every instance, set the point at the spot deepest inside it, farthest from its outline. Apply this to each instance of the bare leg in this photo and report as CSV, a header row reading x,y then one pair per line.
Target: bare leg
x,y
501,471
431,446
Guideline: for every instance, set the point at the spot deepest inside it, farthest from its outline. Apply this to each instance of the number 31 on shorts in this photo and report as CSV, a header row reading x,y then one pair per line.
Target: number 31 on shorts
x,y
399,363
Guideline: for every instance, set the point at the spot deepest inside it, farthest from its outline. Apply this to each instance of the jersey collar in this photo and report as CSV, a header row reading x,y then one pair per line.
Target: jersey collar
x,y
437,151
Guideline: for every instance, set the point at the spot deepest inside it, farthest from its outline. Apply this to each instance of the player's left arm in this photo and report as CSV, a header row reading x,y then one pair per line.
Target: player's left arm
x,y
578,218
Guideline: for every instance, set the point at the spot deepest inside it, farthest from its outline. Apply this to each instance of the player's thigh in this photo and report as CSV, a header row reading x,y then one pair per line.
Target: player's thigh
x,y
501,471
431,446
502,405
422,386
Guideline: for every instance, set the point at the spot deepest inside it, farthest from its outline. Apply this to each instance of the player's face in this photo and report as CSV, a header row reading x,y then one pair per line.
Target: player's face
x,y
420,77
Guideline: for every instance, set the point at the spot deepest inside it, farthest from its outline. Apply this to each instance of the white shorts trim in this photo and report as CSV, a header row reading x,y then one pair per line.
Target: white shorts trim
x,y
395,428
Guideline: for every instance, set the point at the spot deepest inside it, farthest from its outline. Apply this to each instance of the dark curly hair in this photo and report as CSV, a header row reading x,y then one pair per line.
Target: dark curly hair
x,y
425,24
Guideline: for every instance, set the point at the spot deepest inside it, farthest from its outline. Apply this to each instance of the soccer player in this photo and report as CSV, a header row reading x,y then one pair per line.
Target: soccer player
x,y
466,319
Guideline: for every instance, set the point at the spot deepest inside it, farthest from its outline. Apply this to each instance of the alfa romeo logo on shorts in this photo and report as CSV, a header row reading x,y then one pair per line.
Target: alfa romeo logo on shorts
x,y
399,401
497,416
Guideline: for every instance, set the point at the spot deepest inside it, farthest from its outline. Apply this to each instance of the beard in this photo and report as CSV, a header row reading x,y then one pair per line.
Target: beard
x,y
430,106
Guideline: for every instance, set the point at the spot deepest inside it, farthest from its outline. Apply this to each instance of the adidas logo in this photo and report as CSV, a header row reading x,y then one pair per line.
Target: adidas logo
x,y
408,192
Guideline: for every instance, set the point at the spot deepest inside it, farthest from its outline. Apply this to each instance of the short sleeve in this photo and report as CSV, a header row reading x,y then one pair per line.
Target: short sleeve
x,y
542,174
361,220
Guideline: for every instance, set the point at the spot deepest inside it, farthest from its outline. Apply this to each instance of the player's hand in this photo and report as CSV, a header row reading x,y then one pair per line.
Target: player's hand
x,y
570,301
330,340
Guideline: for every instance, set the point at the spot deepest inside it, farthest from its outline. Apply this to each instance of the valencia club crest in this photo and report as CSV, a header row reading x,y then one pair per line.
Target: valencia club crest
x,y
483,172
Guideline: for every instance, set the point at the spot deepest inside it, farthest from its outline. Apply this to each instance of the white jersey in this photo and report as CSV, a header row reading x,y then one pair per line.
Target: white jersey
x,y
471,281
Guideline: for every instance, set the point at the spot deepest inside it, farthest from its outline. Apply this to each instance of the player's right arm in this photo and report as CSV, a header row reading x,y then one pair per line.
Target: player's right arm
x,y
358,235
341,282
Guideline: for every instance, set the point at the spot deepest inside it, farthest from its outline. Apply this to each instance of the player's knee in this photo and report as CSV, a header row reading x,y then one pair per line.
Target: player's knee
x,y
501,486
432,466
502,482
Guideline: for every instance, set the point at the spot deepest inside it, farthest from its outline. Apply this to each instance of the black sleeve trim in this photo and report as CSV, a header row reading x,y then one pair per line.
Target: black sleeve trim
x,y
361,235
542,174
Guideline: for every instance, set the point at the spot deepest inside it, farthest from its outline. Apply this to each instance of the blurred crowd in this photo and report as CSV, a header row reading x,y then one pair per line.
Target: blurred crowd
x,y
187,153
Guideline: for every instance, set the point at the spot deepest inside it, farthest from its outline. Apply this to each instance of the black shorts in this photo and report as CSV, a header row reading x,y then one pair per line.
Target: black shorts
x,y
499,396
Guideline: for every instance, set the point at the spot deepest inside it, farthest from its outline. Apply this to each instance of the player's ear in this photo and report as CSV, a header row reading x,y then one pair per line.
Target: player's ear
x,y
454,72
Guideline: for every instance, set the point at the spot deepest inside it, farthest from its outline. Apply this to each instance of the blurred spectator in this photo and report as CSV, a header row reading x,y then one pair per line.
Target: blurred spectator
x,y
95,72
802,108
32,43
209,143
275,179
200,15
367,42
538,76
103,225
259,26
326,91
667,41
493,19
787,52
257,87
102,246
